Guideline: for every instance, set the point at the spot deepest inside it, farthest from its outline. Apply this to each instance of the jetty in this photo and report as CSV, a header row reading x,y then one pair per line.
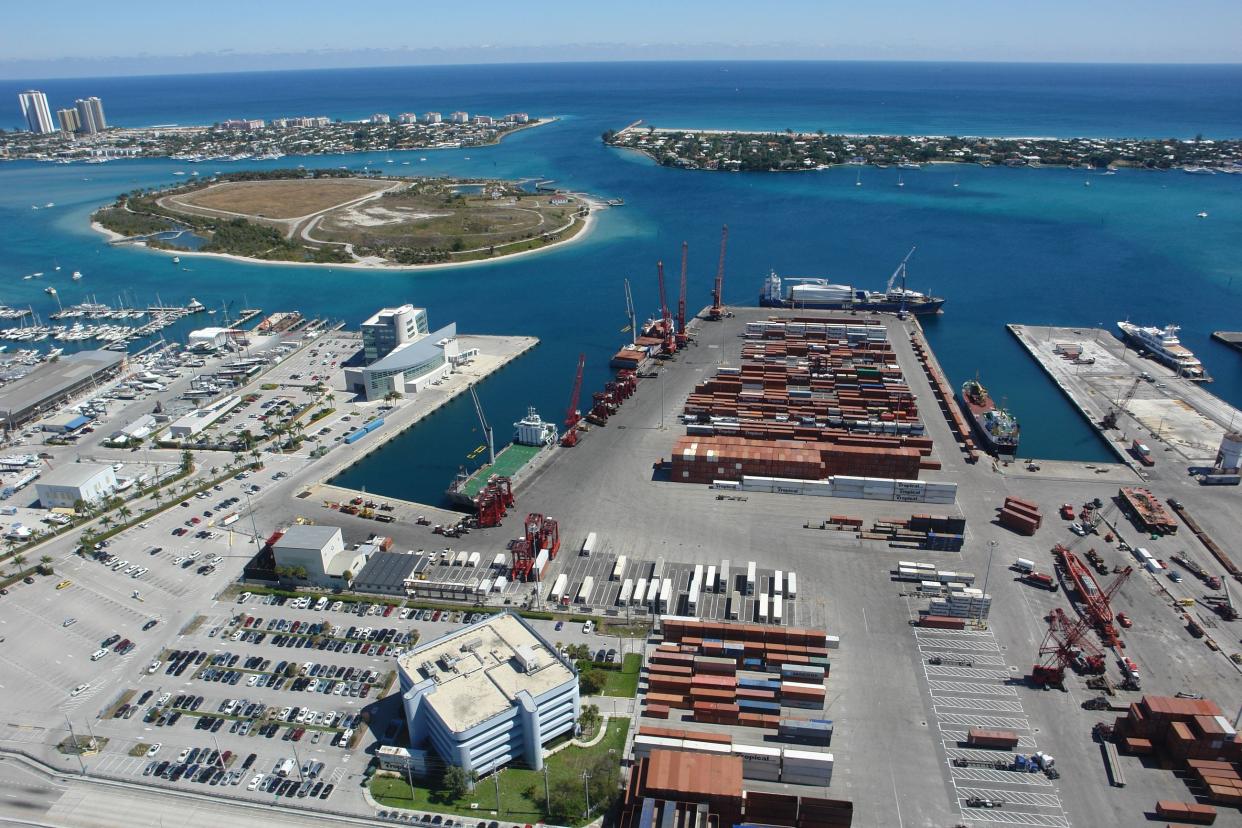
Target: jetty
x,y
1231,338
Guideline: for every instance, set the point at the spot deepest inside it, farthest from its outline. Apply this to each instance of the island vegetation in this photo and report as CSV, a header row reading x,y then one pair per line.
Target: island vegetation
x,y
333,216
240,139
789,150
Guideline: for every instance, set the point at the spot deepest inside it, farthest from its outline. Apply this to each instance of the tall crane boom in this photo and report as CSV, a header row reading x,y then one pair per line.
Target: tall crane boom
x,y
666,318
681,299
572,415
717,310
487,429
629,310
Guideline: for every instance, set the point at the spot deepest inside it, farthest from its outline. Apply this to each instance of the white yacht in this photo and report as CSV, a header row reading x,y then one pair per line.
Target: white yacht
x,y
1165,347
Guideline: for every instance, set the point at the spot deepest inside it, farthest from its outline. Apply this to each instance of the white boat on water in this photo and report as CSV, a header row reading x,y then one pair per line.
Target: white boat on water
x,y
77,275
176,260
1164,346
1187,170
1202,214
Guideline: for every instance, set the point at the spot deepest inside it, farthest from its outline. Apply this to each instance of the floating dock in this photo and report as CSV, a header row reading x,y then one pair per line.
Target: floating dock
x,y
1099,374
1231,338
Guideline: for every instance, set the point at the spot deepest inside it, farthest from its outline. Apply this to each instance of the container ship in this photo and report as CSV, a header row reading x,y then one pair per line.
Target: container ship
x,y
820,294
996,427
1164,347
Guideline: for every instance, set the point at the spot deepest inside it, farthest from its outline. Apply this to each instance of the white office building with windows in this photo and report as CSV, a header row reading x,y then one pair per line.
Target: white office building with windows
x,y
488,694
401,355
36,112
90,115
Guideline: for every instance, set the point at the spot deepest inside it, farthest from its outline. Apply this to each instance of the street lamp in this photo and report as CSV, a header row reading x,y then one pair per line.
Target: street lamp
x,y
987,572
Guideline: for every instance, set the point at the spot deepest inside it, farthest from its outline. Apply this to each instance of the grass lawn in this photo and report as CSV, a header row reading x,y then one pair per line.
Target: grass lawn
x,y
513,784
623,682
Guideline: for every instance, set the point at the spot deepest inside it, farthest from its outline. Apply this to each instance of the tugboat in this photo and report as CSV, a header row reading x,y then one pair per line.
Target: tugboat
x,y
997,428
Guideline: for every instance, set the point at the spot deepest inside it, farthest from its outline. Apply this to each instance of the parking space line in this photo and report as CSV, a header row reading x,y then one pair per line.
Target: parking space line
x,y
968,703
1034,800
1035,780
981,689
1010,818
994,722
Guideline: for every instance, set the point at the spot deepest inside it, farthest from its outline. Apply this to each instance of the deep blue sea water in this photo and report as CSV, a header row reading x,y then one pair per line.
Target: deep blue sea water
x,y
1033,246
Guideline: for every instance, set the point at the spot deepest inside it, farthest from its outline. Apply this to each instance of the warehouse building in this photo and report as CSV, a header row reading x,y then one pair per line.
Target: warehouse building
x,y
54,382
320,550
488,694
62,487
385,573
194,422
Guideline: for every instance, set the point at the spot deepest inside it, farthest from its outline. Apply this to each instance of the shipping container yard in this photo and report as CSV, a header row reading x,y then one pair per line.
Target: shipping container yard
x,y
926,575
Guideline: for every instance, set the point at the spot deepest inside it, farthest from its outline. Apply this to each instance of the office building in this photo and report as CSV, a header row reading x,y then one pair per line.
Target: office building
x,y
431,118
460,117
389,328
68,119
407,118
400,356
36,112
487,694
321,552
73,483
90,115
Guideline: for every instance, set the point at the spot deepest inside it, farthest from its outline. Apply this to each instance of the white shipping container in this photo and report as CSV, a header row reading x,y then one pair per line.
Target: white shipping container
x,y
723,574
791,585
499,584
735,605
778,603
498,562
588,545
750,578
584,592
692,600
666,595
627,592
618,568
778,583
474,559
558,588
640,591
484,587
653,592
709,585
763,606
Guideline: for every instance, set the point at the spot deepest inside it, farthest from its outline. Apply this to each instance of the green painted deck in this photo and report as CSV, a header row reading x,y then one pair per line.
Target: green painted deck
x,y
510,459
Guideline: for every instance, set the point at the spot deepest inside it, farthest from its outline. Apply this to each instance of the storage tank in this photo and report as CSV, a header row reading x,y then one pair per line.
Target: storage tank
x,y
1230,454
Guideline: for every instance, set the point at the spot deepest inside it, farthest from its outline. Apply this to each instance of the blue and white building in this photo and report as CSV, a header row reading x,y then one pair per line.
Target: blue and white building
x,y
401,354
488,694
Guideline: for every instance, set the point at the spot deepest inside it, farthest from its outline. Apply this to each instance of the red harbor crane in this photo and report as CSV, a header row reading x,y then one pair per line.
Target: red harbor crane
x,y
1097,603
543,533
493,501
666,317
1066,645
572,415
682,338
716,313
523,560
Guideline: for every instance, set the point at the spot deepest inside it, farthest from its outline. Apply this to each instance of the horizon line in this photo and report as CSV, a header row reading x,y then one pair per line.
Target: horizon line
x,y
451,65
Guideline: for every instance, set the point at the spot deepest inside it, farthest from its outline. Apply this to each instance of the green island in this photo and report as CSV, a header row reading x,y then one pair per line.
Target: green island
x,y
737,151
338,217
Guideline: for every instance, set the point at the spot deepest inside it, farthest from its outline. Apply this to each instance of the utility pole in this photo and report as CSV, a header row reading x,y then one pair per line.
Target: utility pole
x,y
988,571
496,783
586,789
77,750
547,797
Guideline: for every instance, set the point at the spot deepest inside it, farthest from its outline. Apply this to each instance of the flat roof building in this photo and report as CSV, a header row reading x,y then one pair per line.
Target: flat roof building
x,y
487,694
50,384
385,573
194,422
390,328
320,551
66,485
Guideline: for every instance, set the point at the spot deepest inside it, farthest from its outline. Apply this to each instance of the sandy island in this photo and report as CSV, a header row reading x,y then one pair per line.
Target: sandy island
x,y
596,206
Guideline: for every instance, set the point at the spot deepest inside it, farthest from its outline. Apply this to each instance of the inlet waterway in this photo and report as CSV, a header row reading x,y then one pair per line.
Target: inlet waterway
x,y
1039,246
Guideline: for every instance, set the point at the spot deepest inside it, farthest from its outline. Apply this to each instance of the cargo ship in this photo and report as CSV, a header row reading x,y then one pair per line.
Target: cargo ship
x,y
531,435
1164,347
996,427
820,294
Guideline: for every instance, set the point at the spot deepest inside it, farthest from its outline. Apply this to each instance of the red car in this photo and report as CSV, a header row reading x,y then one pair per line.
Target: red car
x,y
388,610
1124,620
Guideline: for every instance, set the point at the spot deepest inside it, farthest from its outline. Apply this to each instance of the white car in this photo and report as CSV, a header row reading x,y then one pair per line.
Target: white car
x,y
119,565
154,749
183,755
139,572
255,782
79,689
252,681
179,560
130,570
195,554
237,636
155,665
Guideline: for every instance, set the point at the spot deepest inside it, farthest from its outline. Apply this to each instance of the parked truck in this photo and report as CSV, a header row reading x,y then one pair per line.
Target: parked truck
x,y
1142,453
1041,580
998,739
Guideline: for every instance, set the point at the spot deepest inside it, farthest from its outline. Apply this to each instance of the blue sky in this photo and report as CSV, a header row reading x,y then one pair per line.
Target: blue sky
x,y
70,37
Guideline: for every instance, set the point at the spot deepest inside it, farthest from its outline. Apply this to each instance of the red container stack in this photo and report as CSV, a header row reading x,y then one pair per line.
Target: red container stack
x,y
1022,516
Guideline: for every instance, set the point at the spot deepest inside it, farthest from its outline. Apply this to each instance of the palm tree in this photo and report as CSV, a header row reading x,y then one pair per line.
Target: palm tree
x,y
19,561
105,521
214,471
125,512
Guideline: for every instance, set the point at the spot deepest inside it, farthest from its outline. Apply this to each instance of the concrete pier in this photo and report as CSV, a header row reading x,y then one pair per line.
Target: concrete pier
x,y
1179,420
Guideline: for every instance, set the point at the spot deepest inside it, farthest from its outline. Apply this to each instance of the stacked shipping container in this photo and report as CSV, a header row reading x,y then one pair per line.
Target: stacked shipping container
x,y
1022,516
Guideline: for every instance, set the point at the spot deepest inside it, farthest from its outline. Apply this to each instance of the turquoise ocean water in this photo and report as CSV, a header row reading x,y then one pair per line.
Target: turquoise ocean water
x,y
1034,246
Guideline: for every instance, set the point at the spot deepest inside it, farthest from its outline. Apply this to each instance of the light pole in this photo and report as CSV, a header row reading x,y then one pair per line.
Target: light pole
x,y
586,789
987,572
77,750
